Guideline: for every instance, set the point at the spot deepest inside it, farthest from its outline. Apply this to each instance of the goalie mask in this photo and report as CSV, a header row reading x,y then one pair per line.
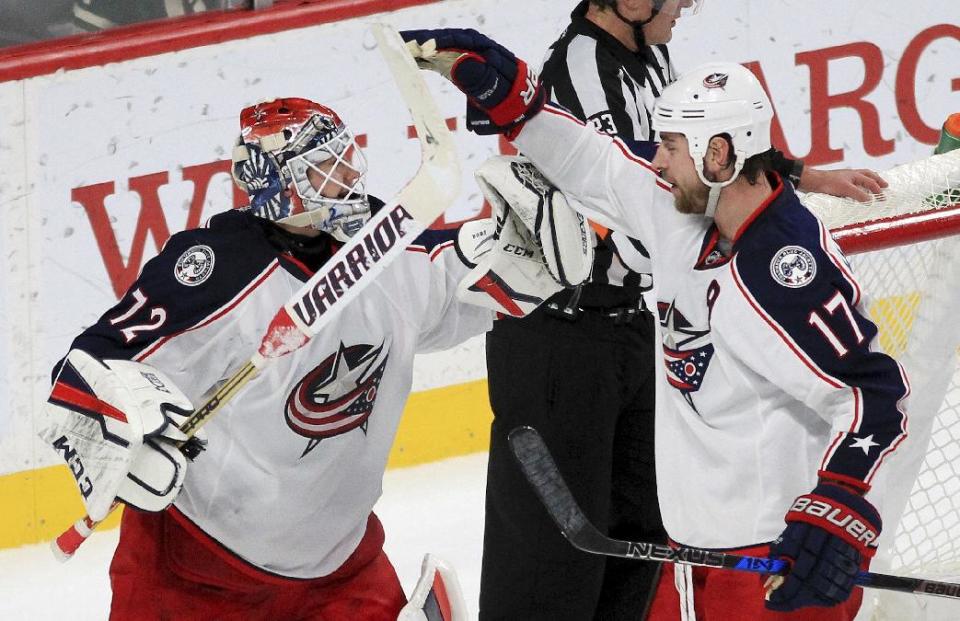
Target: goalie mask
x,y
711,100
300,165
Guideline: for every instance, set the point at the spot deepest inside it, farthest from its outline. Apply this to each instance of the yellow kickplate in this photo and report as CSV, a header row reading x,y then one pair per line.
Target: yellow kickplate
x,y
37,505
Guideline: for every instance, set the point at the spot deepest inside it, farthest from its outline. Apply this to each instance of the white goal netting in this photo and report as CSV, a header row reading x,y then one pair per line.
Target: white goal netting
x,y
908,261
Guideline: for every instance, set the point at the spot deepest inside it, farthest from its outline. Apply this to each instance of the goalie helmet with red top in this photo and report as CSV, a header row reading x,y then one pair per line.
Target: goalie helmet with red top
x,y
300,164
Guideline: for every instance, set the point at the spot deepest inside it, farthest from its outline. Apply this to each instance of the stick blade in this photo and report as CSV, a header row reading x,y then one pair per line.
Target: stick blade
x,y
424,198
542,473
547,481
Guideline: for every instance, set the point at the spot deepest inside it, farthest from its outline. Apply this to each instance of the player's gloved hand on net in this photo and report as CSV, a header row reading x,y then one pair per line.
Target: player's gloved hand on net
x,y
830,537
503,92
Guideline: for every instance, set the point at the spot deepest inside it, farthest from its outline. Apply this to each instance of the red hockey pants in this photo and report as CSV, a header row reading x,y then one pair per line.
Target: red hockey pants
x,y
165,568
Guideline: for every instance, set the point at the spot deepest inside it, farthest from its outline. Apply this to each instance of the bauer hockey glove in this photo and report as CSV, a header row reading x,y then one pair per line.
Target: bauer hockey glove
x,y
831,534
115,423
502,91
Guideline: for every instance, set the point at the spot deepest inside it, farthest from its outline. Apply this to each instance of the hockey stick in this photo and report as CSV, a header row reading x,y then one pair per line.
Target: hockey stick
x,y
542,473
381,240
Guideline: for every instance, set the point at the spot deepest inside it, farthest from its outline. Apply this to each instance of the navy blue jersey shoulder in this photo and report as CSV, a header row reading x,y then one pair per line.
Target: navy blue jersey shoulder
x,y
643,149
781,261
197,272
809,295
432,239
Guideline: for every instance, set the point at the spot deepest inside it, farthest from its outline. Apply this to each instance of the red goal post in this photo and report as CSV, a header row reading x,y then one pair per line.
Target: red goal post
x,y
904,248
911,210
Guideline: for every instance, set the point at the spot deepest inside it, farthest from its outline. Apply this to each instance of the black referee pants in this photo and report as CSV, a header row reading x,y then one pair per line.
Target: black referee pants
x,y
588,387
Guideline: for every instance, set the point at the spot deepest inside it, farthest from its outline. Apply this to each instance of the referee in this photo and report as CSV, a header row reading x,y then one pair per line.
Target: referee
x,y
580,369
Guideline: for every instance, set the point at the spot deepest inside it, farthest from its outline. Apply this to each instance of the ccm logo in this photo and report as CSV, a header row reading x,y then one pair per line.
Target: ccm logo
x,y
519,251
72,458
840,517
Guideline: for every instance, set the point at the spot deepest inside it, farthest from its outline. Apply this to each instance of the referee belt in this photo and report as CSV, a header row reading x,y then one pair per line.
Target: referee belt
x,y
566,305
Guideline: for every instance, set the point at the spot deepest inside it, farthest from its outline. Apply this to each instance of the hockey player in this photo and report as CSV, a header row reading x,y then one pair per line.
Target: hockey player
x,y
607,69
274,519
779,408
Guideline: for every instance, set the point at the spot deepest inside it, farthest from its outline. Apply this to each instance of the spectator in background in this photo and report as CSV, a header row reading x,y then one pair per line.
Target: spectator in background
x,y
27,21
92,15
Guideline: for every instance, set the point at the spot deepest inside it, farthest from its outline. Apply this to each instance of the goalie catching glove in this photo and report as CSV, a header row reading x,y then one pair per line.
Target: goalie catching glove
x,y
831,535
539,244
115,423
565,237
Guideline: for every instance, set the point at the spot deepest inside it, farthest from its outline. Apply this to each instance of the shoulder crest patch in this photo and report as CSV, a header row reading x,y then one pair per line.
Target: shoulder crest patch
x,y
793,266
194,266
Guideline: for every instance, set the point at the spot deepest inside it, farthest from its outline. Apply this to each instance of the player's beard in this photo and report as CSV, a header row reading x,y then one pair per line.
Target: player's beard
x,y
691,200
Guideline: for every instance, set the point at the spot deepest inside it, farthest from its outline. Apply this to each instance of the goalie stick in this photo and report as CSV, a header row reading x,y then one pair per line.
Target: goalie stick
x,y
542,473
381,240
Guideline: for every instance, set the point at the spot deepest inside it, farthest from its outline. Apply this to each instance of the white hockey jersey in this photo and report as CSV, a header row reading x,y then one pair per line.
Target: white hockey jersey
x,y
294,462
771,374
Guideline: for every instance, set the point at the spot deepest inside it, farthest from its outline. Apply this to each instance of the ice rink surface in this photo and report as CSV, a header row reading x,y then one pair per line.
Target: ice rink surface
x,y
435,508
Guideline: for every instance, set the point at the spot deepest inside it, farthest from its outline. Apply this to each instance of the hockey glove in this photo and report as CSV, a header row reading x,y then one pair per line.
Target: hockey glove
x,y
511,278
831,532
564,237
474,240
503,92
115,424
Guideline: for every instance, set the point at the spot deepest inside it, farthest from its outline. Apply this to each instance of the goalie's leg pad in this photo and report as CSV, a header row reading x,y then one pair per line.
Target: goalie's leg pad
x,y
437,596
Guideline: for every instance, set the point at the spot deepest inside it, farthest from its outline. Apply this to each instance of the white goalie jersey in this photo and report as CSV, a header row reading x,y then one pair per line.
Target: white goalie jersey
x,y
294,462
770,375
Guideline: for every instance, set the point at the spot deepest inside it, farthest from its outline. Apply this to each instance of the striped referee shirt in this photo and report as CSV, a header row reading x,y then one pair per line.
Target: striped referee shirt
x,y
594,76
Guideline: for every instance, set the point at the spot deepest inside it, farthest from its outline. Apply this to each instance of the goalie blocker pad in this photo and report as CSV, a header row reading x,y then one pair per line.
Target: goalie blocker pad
x,y
565,238
437,596
115,424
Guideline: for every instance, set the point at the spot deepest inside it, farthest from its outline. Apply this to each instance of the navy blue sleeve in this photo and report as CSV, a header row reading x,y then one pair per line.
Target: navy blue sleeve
x,y
432,239
645,149
805,291
197,273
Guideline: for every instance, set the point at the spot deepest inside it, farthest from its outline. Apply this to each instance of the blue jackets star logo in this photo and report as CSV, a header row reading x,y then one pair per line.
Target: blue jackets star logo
x,y
687,351
338,395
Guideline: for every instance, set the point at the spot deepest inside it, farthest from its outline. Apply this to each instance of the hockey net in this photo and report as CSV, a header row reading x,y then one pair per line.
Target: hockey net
x,y
905,250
